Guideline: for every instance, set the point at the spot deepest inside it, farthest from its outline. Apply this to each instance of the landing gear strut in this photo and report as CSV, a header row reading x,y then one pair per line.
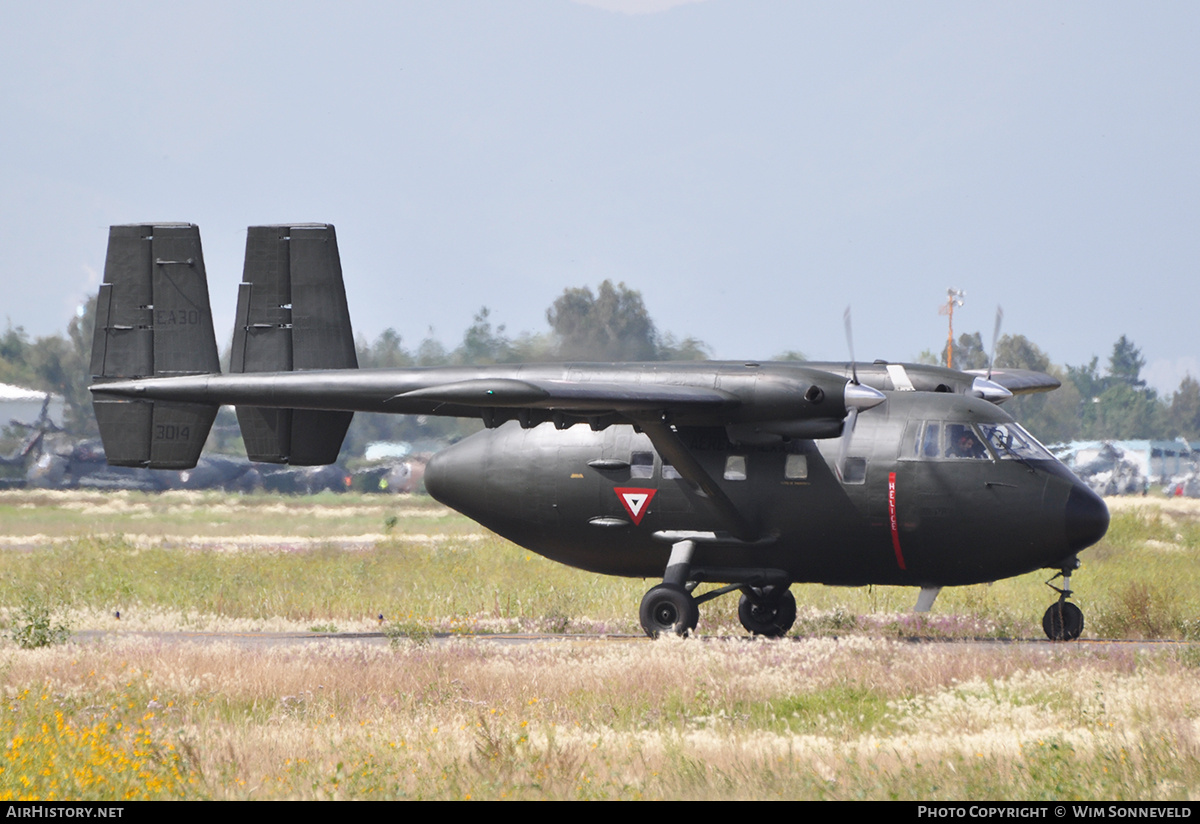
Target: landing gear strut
x,y
1063,621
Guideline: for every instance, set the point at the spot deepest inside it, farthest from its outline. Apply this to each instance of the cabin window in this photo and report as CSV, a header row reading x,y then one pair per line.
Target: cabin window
x,y
910,447
735,468
855,471
669,472
795,468
641,465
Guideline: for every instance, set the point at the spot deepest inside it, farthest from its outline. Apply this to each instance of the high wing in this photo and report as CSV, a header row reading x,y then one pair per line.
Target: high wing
x,y
1020,381
295,383
797,400
996,387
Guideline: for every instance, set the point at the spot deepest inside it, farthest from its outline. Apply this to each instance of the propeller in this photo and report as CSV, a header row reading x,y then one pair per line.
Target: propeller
x,y
857,398
995,338
986,388
844,442
850,346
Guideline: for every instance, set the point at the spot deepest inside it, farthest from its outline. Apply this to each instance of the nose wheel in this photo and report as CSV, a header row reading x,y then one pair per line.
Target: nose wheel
x,y
1063,621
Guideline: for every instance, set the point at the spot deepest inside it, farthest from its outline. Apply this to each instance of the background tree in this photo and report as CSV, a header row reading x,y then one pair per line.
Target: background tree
x,y
481,344
1126,362
1018,352
1050,416
611,325
1183,417
968,352
63,365
688,349
1118,405
387,352
1124,411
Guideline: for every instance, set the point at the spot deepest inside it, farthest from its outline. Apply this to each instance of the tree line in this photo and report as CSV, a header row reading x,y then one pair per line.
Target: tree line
x,y
613,324
1091,404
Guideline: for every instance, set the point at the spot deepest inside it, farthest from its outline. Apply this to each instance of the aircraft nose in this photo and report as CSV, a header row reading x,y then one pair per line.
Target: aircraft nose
x,y
1086,517
440,474
454,475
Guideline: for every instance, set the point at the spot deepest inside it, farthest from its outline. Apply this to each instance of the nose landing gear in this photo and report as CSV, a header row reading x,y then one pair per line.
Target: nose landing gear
x,y
1063,621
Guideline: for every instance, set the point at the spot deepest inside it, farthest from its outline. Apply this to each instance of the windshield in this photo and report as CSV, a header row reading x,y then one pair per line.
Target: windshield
x,y
1009,440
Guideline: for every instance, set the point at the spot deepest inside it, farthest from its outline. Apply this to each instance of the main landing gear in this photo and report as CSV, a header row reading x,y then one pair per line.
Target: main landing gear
x,y
769,611
670,608
1063,621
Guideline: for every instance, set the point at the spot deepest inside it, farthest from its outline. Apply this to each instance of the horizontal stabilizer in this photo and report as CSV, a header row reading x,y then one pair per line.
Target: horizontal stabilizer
x,y
300,437
153,434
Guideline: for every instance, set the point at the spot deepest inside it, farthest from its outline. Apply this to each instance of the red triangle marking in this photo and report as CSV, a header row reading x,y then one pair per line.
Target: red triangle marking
x,y
636,501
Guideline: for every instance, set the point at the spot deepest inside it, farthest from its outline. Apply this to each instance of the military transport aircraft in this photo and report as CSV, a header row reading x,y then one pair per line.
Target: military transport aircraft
x,y
749,476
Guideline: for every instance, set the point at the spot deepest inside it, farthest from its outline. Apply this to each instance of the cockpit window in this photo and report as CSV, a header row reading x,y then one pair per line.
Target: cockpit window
x,y
929,442
1012,442
942,440
963,442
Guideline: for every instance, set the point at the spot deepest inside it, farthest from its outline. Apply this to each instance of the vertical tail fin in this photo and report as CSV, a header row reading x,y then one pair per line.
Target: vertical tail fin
x,y
291,316
153,319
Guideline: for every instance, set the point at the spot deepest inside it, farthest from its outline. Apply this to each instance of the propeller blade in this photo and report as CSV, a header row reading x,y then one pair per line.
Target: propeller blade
x,y
857,398
844,445
850,346
995,338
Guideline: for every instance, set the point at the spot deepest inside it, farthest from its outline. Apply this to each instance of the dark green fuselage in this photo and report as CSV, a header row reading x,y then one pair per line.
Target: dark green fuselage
x,y
901,517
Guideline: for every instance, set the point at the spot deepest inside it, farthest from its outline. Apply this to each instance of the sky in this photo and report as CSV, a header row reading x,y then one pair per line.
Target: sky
x,y
752,168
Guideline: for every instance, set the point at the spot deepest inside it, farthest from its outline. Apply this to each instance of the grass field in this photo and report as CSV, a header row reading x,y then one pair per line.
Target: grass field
x,y
859,705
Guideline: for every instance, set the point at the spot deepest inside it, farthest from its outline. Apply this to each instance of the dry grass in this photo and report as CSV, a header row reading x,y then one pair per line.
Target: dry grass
x,y
821,718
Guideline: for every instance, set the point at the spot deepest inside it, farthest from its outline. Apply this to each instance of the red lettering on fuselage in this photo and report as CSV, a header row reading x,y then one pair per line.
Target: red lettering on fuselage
x,y
892,519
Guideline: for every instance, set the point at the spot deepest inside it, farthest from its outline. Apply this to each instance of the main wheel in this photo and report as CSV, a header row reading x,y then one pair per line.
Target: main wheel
x,y
1063,621
668,608
773,617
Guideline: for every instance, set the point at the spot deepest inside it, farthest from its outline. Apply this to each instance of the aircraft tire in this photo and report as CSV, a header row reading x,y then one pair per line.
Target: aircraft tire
x,y
668,609
1063,621
773,621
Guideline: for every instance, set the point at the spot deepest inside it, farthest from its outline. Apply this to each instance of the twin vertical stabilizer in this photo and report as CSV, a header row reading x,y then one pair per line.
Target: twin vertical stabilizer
x,y
292,316
153,320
